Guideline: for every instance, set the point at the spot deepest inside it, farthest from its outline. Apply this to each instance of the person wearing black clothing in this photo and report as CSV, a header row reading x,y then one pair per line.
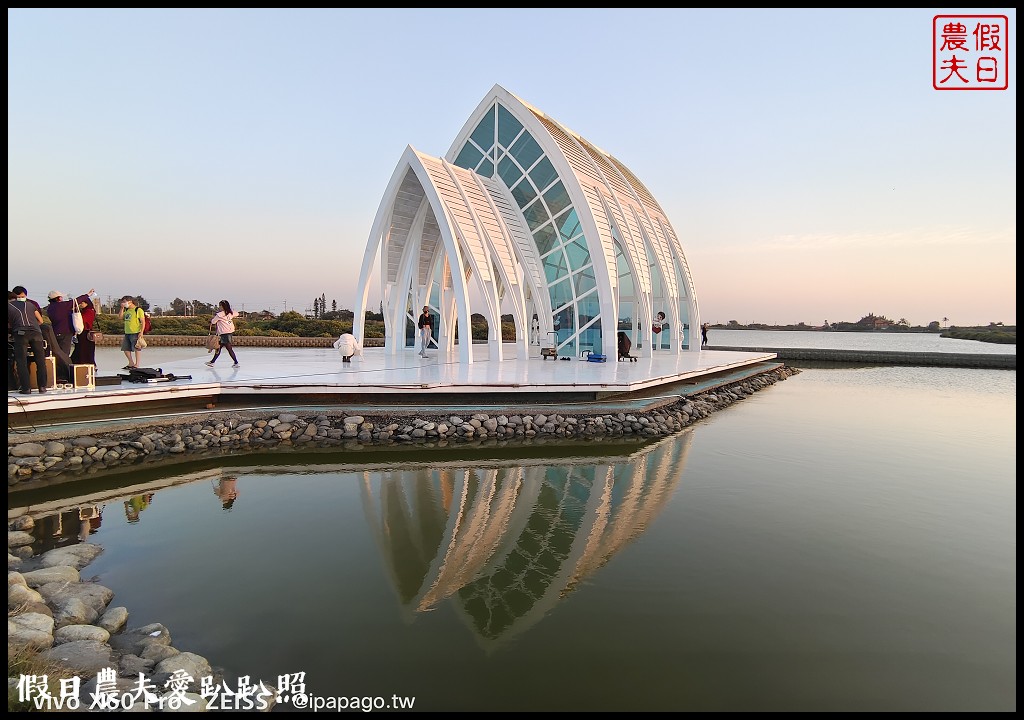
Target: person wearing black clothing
x,y
25,321
704,334
426,326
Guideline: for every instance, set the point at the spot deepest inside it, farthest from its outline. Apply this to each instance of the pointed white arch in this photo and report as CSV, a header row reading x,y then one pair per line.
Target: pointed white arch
x,y
455,220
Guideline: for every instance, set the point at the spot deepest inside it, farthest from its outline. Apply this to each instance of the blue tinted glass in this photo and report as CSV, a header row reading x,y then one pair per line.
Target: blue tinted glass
x,y
486,168
557,199
509,171
578,254
591,337
588,307
626,317
508,127
536,215
565,327
526,150
561,294
484,133
584,282
555,267
469,157
545,238
524,193
544,174
569,225
565,318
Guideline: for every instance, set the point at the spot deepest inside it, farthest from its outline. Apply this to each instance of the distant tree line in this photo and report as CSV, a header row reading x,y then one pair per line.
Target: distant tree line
x,y
288,324
995,332
192,317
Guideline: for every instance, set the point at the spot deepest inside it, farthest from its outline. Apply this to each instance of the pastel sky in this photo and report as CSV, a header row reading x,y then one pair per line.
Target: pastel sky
x,y
803,156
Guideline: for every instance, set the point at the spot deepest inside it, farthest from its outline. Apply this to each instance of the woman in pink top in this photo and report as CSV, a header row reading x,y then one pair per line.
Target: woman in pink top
x,y
224,321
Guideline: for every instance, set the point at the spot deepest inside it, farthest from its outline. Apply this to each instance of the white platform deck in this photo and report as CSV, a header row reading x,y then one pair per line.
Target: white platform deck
x,y
271,373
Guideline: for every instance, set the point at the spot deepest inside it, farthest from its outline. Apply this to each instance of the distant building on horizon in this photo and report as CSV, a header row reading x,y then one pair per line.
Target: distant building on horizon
x,y
523,217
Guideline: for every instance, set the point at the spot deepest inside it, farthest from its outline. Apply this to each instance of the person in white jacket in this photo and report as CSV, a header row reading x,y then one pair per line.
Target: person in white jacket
x,y
224,322
348,346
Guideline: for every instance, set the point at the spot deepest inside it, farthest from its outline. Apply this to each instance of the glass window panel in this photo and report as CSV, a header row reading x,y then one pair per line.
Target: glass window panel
x,y
565,324
626,286
680,278
486,168
565,328
665,336
656,289
536,215
544,174
524,193
508,127
591,337
626,317
557,199
469,157
569,225
584,281
555,267
684,313
578,253
561,294
588,307
509,171
545,238
684,318
526,150
484,133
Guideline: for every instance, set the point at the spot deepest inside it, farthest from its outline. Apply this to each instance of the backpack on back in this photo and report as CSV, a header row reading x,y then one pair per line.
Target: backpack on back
x,y
146,324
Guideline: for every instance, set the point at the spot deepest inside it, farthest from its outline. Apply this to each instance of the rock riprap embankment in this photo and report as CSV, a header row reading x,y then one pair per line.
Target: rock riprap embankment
x,y
30,461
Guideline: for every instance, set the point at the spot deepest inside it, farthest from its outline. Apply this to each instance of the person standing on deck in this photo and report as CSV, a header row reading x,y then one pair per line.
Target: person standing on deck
x,y
426,326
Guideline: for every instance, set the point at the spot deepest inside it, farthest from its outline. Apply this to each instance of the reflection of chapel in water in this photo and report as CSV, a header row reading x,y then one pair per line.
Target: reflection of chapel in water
x,y
507,543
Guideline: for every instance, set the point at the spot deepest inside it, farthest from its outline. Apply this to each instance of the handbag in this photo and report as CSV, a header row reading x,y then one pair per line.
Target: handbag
x,y
77,321
94,335
212,342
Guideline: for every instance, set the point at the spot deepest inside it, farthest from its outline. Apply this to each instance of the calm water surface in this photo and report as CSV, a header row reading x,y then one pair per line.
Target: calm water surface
x,y
843,540
897,342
